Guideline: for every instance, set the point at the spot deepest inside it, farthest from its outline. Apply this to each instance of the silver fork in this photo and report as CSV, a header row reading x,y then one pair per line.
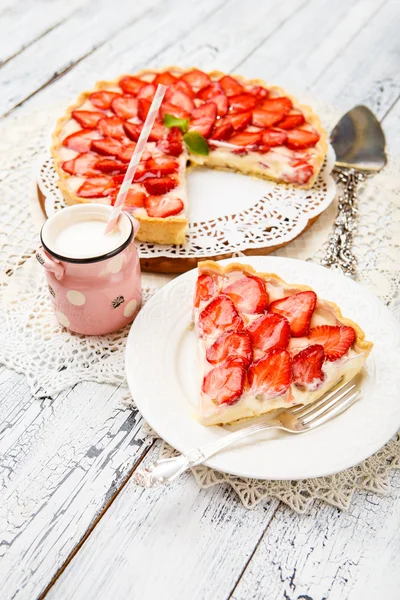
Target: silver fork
x,y
297,419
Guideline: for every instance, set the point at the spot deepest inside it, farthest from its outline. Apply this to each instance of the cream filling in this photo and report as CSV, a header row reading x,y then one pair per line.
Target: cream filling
x,y
277,163
252,404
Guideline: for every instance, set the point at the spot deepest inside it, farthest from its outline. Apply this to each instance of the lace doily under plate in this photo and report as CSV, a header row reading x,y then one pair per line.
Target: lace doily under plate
x,y
228,212
27,320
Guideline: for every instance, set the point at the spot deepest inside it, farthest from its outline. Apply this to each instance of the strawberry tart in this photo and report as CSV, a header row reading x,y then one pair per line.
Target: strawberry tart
x,y
210,119
266,344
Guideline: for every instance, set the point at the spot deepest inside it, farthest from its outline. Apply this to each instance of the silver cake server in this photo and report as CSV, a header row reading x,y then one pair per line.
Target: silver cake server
x,y
359,144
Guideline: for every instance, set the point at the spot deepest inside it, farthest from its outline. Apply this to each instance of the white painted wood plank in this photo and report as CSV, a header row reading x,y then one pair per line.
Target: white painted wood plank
x,y
62,459
391,127
329,554
321,39
367,71
231,33
169,543
64,45
137,46
23,22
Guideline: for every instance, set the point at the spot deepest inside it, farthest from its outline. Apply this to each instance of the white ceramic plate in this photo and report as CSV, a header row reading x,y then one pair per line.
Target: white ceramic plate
x,y
162,376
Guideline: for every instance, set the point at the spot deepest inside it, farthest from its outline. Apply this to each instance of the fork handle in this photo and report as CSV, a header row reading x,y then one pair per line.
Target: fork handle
x,y
165,470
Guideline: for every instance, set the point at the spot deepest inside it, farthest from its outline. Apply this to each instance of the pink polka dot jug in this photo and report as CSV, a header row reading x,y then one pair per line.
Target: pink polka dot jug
x,y
93,278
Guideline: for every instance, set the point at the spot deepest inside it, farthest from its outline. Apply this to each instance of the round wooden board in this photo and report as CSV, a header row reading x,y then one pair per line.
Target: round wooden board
x,y
167,264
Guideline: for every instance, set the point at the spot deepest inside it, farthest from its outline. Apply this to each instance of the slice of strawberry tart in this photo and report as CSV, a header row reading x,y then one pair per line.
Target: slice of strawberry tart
x,y
266,344
210,119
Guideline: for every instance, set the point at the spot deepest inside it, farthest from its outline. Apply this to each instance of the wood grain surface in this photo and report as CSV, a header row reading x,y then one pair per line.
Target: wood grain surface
x,y
64,461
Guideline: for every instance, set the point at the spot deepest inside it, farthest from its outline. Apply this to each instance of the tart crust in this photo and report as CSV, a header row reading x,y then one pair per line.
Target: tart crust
x,y
225,414
172,230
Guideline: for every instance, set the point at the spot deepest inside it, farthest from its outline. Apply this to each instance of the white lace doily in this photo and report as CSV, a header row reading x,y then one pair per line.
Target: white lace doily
x,y
255,214
53,359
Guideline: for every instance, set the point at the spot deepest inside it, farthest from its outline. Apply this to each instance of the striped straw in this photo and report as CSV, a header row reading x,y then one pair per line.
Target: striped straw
x,y
136,156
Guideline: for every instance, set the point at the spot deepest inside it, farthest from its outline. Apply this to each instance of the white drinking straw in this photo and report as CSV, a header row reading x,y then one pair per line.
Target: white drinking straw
x,y
136,156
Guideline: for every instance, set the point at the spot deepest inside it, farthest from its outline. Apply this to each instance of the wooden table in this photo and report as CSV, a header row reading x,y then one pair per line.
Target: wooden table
x,y
73,525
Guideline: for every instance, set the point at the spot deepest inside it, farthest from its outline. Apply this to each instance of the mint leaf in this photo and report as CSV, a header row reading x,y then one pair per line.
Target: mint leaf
x,y
171,121
196,143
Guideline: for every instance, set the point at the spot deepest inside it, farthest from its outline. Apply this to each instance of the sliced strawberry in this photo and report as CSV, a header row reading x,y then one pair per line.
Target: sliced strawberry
x,y
165,78
269,332
141,172
157,206
222,104
131,85
133,130
196,79
239,121
264,118
96,187
336,339
301,172
225,385
218,316
107,146
171,109
83,164
307,367
258,91
157,132
231,86
87,118
172,144
281,105
110,166
246,138
182,86
208,109
271,374
161,166
143,108
204,126
147,92
207,93
135,199
231,346
126,152
203,118
274,137
298,310
242,102
81,140
157,186
178,98
206,287
118,179
292,120
301,138
111,127
125,107
248,294
223,131
103,99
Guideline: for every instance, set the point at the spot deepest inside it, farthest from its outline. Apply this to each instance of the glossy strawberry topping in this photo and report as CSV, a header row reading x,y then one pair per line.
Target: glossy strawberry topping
x,y
218,316
225,109
262,349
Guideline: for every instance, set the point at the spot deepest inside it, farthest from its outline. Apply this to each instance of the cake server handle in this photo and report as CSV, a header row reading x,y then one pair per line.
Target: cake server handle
x,y
165,470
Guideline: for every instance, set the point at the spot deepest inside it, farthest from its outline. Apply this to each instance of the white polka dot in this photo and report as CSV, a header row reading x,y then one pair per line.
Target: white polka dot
x,y
115,264
76,298
130,308
62,319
